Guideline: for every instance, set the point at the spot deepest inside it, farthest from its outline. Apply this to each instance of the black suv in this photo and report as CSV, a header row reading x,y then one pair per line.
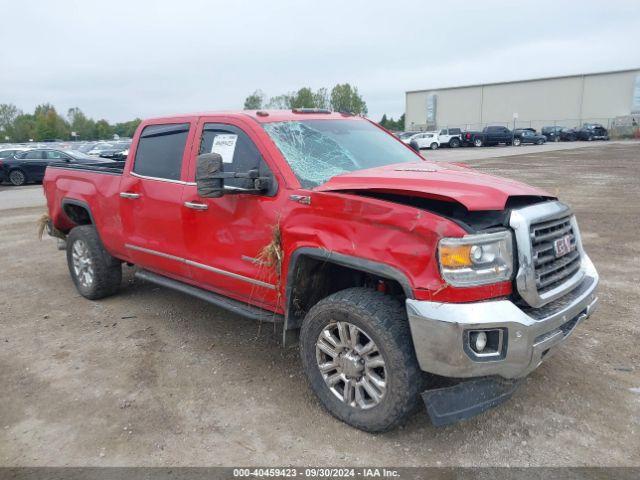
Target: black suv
x,y
592,131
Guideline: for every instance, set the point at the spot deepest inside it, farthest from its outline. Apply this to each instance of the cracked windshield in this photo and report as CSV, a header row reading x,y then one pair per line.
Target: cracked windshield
x,y
317,150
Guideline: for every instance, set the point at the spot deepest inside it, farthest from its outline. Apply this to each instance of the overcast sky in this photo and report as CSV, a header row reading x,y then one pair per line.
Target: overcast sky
x,y
121,59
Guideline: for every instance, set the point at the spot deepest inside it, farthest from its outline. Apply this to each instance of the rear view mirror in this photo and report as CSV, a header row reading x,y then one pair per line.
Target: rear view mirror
x,y
208,180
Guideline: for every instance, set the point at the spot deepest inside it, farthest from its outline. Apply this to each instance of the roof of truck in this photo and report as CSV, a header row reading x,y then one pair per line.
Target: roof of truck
x,y
265,116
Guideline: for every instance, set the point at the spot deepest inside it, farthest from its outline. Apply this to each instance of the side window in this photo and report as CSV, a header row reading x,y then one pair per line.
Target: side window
x,y
443,132
53,155
160,150
33,155
239,153
454,131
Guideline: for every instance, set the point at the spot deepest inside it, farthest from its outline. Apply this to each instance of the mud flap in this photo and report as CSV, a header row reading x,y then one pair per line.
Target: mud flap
x,y
467,399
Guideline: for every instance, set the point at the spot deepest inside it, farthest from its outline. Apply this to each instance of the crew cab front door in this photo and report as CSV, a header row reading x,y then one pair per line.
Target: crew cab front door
x,y
225,236
151,198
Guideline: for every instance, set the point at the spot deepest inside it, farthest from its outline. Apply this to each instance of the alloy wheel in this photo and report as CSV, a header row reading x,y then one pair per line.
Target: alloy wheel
x,y
82,263
17,178
351,365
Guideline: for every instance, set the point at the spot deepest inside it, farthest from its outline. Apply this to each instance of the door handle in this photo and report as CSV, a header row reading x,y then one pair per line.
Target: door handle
x,y
130,195
196,206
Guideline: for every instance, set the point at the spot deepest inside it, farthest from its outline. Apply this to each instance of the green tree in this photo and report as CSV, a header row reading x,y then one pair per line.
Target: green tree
x,y
254,101
384,121
281,102
103,130
48,124
345,98
8,115
24,127
321,98
303,98
126,129
79,123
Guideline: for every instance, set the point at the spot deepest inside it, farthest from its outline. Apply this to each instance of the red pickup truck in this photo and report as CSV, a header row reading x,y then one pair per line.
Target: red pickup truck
x,y
391,271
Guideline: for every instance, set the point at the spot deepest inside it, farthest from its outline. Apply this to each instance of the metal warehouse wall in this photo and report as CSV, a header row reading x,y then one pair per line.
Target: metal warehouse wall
x,y
567,101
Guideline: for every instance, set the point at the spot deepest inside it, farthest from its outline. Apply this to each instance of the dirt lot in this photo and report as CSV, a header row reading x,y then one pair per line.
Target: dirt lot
x,y
152,377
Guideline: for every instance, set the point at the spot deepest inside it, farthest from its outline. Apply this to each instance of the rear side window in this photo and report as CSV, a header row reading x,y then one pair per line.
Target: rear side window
x,y
34,155
239,153
455,131
160,150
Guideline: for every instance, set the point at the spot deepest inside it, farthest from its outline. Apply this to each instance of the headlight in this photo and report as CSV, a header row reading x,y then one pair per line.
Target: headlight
x,y
476,259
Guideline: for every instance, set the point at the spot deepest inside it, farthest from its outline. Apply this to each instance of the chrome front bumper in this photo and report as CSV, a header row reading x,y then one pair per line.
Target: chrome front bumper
x,y
439,331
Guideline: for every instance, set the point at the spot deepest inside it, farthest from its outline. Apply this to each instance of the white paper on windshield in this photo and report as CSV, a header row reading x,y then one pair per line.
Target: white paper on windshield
x,y
225,146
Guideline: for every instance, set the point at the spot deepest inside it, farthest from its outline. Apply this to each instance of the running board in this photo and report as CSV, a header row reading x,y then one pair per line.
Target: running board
x,y
229,304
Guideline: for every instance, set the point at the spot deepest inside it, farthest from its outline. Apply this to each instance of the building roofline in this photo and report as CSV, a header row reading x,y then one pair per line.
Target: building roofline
x,y
524,80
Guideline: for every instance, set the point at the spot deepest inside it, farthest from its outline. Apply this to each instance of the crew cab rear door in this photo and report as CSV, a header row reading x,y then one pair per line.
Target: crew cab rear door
x,y
151,197
224,236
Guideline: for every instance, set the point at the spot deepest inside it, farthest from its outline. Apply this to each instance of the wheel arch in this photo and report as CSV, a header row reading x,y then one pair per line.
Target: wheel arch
x,y
77,211
315,273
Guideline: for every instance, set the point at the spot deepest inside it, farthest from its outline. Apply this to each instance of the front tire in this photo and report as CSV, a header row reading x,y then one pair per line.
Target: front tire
x,y
516,142
95,273
17,177
358,356
477,142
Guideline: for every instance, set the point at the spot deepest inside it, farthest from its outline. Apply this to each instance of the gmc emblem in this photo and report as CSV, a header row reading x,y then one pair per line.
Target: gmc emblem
x,y
562,246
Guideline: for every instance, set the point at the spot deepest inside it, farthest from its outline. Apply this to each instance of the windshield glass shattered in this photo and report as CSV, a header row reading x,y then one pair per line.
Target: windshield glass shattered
x,y
317,150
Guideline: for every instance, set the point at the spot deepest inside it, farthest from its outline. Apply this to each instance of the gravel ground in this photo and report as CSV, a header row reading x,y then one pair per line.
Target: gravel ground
x,y
152,377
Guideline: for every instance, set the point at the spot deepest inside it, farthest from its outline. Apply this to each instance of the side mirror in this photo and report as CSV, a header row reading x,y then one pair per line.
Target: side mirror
x,y
208,180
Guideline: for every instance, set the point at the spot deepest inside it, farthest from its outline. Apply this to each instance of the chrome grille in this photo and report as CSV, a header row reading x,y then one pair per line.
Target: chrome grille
x,y
542,277
551,271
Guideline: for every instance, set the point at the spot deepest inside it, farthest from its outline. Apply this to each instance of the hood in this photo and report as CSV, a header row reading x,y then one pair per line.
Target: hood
x,y
474,190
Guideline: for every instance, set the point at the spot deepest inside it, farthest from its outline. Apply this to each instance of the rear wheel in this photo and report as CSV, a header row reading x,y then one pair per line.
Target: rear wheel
x,y
540,142
477,142
17,177
95,273
433,146
454,143
516,142
358,355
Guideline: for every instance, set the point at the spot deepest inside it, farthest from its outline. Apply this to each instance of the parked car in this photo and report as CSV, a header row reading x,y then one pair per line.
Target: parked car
x,y
102,147
491,135
592,131
114,151
406,136
527,135
85,147
450,137
29,165
122,155
552,134
381,264
424,140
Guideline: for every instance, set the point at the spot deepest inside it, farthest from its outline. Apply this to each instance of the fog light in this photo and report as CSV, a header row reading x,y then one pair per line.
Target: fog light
x,y
485,344
479,341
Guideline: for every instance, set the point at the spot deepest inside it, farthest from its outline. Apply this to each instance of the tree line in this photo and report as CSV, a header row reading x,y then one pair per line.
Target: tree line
x,y
391,124
341,98
45,123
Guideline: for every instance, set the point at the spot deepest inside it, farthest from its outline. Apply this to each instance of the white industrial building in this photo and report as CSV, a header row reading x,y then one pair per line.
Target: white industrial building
x,y
567,101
